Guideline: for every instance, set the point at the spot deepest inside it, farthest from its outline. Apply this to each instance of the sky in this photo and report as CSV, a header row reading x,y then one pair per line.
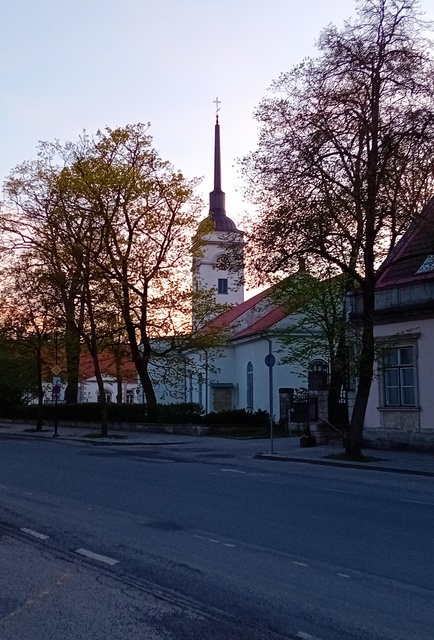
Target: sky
x,y
73,65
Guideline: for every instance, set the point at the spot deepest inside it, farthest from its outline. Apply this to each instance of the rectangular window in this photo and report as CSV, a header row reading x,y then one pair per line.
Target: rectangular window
x,y
399,377
222,285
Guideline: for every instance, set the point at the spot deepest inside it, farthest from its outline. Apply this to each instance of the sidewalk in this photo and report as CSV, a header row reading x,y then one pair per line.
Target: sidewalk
x,y
284,449
404,462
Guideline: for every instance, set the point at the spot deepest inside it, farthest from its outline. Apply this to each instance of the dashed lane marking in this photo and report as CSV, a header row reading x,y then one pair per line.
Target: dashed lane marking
x,y
354,493
233,471
343,575
430,504
225,544
305,636
34,534
97,556
300,564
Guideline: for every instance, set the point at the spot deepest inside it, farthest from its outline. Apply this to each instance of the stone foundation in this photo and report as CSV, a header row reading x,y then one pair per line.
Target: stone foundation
x,y
398,440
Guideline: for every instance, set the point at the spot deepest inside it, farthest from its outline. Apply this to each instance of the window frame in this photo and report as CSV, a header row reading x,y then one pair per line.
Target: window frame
x,y
389,369
222,286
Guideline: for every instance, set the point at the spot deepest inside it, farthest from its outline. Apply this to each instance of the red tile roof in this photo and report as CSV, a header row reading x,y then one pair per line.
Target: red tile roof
x,y
257,320
410,253
229,316
107,363
267,321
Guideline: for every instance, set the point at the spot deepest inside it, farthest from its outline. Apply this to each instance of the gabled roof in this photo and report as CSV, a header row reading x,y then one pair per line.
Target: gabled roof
x,y
412,259
107,363
253,316
264,323
228,317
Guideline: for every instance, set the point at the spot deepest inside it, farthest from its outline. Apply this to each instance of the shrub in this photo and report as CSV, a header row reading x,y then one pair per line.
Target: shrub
x,y
238,417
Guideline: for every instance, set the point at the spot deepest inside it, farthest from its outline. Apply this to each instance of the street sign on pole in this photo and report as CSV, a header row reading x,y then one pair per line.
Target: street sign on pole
x,y
270,360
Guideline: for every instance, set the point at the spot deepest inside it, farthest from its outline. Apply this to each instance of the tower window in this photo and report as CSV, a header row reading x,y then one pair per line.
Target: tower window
x,y
222,285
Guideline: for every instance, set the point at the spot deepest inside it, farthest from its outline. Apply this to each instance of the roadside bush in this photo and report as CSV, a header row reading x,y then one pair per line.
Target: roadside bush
x,y
239,418
180,413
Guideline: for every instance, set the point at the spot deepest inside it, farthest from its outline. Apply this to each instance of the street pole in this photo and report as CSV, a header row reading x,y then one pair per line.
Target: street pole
x,y
56,394
206,381
270,361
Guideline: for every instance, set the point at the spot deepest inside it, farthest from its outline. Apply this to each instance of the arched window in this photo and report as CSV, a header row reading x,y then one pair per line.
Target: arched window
x,y
318,375
250,387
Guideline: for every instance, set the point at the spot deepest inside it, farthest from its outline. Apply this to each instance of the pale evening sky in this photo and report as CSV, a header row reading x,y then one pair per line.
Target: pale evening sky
x,y
69,65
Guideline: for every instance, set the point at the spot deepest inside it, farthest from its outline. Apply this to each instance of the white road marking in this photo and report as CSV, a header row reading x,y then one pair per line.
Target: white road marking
x,y
354,493
233,471
225,544
97,556
300,564
430,504
305,636
34,534
343,575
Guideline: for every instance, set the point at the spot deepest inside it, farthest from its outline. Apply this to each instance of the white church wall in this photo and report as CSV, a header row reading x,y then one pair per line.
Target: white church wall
x,y
284,375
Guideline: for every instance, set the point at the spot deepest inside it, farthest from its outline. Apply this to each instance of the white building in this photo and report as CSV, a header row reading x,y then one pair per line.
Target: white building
x,y
400,410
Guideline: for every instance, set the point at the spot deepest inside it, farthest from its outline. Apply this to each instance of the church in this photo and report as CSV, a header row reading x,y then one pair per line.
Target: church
x,y
246,372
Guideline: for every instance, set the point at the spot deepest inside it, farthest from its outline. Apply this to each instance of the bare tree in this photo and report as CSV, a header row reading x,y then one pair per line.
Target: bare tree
x,y
346,158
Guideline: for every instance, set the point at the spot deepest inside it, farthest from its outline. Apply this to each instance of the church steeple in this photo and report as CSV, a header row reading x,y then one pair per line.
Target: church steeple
x,y
219,265
217,196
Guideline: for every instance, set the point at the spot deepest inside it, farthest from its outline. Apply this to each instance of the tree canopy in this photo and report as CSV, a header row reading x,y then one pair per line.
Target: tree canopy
x,y
112,224
345,157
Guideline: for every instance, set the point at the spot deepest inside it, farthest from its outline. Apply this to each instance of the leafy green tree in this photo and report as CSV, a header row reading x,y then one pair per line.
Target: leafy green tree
x,y
18,380
27,321
114,224
346,158
318,329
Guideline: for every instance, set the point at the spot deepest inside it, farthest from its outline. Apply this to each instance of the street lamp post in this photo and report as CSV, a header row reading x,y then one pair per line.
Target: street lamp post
x,y
56,383
270,361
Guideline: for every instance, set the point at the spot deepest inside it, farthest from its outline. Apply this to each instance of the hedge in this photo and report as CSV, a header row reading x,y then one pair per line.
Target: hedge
x,y
180,413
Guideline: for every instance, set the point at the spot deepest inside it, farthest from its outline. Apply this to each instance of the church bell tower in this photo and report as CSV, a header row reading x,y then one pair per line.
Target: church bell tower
x,y
220,264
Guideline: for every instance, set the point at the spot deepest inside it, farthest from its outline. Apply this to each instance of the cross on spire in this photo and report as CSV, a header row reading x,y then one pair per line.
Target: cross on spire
x,y
217,102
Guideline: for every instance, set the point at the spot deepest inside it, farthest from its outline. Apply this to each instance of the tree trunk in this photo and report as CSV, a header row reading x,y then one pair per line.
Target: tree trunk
x,y
40,387
72,346
119,393
338,372
140,356
102,398
366,369
146,382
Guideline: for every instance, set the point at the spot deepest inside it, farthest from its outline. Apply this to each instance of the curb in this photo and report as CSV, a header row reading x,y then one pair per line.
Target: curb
x,y
345,465
96,442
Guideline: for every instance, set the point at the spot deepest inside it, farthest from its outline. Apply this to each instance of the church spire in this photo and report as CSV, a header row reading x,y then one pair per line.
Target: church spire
x,y
217,197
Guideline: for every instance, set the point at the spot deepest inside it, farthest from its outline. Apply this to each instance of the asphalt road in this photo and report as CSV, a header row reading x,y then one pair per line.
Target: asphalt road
x,y
211,543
